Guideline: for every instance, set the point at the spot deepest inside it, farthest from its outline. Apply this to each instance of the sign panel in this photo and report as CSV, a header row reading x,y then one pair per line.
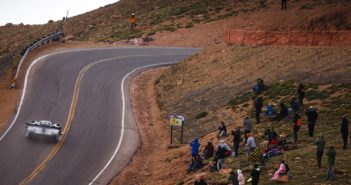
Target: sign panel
x,y
176,121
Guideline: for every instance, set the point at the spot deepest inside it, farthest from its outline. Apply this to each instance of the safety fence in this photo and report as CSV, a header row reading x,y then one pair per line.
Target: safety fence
x,y
291,38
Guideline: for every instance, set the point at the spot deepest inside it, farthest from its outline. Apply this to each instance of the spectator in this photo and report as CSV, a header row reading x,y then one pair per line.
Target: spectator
x,y
234,177
281,171
271,112
312,117
133,21
241,177
222,130
284,4
297,125
301,94
195,145
294,105
283,111
344,131
331,153
208,151
247,127
258,108
220,156
236,140
200,181
320,150
251,145
272,136
196,164
255,175
258,88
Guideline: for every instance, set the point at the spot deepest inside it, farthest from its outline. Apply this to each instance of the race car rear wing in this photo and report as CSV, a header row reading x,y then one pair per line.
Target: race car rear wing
x,y
38,124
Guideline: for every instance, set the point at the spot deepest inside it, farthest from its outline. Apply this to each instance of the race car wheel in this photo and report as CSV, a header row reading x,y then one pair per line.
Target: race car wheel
x,y
58,138
27,134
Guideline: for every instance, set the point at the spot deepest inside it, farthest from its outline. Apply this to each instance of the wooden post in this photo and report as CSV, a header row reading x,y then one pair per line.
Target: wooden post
x,y
171,134
181,132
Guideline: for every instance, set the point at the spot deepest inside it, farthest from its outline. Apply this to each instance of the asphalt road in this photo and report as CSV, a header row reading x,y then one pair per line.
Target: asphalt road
x,y
96,128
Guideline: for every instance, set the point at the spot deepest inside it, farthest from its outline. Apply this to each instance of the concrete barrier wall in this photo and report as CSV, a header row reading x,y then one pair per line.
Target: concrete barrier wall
x,y
293,38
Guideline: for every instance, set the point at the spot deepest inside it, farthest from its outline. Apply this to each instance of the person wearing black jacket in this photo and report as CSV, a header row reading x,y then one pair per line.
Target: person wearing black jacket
x,y
220,156
234,177
222,130
258,108
255,174
312,117
344,131
236,140
301,94
283,111
284,4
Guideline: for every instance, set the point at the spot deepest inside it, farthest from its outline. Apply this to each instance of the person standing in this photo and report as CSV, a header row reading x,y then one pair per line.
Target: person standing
x,y
301,94
247,127
258,108
284,4
255,174
234,177
297,125
344,131
133,22
312,117
236,140
195,145
283,111
251,145
220,156
331,161
320,150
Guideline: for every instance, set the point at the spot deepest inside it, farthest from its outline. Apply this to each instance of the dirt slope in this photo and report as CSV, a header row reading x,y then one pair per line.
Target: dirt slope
x,y
208,81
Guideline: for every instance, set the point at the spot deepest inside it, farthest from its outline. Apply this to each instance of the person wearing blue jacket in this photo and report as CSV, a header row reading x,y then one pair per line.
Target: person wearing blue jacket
x,y
195,145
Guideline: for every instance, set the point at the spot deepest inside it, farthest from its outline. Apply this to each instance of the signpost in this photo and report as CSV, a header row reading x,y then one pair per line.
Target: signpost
x,y
177,120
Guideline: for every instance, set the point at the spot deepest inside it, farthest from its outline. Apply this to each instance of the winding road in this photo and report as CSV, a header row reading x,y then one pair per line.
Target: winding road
x,y
86,90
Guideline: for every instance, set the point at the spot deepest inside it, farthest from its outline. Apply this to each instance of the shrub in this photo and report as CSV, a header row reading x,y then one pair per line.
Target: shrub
x,y
201,115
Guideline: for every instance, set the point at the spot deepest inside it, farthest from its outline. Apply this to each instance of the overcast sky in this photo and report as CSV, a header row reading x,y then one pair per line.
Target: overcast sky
x,y
41,11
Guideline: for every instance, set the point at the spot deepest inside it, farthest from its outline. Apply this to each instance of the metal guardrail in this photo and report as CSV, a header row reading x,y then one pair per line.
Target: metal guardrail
x,y
35,45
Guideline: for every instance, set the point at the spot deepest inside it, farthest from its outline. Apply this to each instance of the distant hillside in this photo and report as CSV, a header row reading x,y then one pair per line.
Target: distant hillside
x,y
111,23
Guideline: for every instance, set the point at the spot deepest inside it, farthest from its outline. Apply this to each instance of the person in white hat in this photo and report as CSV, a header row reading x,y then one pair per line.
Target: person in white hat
x,y
133,22
312,117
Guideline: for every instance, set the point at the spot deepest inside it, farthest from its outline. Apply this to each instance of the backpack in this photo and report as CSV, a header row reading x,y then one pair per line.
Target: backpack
x,y
299,122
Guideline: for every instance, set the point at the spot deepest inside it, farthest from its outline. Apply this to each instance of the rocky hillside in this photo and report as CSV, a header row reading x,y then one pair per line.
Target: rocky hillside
x,y
111,23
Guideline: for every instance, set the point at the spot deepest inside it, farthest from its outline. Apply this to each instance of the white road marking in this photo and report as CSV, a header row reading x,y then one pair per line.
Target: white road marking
x,y
122,120
38,60
122,91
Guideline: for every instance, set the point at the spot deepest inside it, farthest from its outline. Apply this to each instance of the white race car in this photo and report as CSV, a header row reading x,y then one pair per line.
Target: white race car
x,y
43,127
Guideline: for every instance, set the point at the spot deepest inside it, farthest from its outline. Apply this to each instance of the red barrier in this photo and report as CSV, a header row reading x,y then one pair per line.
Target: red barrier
x,y
293,38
